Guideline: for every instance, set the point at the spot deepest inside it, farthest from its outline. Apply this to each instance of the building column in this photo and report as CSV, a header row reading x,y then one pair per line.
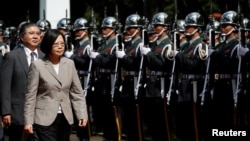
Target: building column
x,y
54,10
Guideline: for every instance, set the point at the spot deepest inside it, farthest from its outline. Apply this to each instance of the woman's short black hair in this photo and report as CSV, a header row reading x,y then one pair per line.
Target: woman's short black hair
x,y
49,39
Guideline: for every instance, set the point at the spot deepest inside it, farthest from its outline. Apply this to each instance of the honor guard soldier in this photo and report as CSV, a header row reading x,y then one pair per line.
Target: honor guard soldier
x,y
9,36
105,61
4,47
225,65
181,31
44,25
215,25
191,66
246,26
158,71
130,65
244,94
82,63
16,43
65,27
152,36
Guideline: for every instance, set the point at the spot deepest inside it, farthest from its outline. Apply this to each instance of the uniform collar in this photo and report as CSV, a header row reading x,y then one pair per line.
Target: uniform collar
x,y
160,40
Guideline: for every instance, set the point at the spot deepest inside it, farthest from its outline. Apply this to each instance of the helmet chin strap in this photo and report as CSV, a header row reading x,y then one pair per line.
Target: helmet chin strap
x,y
133,34
151,41
159,34
190,34
127,40
182,36
225,34
80,37
107,35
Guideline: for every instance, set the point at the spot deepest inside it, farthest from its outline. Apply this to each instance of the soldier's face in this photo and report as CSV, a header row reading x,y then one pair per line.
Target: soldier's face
x,y
80,33
158,28
226,28
106,30
152,37
190,29
63,31
130,31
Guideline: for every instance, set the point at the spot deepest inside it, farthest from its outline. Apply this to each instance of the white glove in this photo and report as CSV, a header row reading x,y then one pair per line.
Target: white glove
x,y
120,54
2,47
210,51
170,53
68,54
145,50
93,55
242,51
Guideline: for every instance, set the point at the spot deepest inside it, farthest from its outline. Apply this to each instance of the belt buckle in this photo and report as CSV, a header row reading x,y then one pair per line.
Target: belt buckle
x,y
216,76
152,72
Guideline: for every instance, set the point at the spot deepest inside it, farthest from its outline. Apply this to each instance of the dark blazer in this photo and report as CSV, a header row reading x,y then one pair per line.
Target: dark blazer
x,y
46,91
13,79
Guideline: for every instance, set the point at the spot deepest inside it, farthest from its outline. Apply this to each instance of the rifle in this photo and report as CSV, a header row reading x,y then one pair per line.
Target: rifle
x,y
92,47
113,83
144,44
68,34
167,97
211,45
138,84
118,46
28,16
92,37
241,43
176,46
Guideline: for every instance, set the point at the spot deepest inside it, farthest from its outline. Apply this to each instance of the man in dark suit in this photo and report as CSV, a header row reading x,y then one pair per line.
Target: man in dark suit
x,y
13,77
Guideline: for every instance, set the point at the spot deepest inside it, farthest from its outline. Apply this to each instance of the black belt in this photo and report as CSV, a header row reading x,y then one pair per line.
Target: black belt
x,y
191,76
105,70
158,73
131,73
225,76
81,72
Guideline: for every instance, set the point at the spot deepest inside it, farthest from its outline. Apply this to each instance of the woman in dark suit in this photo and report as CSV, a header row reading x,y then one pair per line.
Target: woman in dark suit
x,y
54,92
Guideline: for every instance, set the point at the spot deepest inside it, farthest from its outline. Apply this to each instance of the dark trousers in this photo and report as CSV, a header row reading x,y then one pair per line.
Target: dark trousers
x,y
105,107
193,121
155,118
131,118
59,130
16,133
223,105
83,133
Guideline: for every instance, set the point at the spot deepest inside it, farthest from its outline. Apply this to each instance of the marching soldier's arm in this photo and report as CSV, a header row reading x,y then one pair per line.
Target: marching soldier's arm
x,y
188,60
154,59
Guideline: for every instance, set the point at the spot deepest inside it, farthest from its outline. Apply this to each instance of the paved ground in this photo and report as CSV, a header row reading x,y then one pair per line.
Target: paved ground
x,y
93,138
74,138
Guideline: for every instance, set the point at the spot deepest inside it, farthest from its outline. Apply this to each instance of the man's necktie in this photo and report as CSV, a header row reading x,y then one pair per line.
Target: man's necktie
x,y
32,54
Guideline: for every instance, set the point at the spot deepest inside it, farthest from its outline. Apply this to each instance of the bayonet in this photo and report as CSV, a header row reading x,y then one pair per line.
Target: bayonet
x,y
28,16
